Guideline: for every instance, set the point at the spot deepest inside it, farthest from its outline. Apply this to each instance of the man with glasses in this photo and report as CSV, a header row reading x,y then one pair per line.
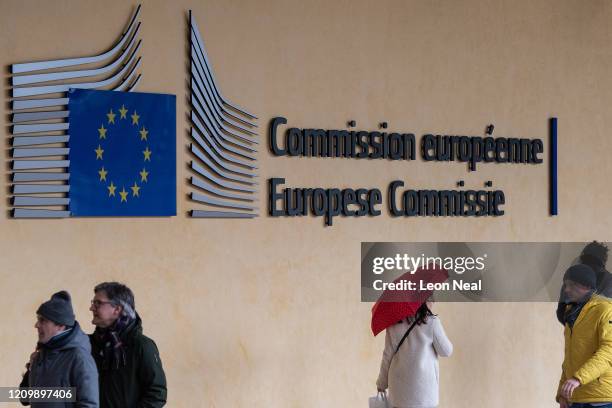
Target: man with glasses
x,y
130,370
63,355
586,377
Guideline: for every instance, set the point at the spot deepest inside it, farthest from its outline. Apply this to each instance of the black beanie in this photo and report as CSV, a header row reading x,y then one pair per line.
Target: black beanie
x,y
582,274
58,309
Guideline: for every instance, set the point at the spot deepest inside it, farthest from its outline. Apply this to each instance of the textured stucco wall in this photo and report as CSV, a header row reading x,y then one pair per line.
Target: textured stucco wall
x,y
266,312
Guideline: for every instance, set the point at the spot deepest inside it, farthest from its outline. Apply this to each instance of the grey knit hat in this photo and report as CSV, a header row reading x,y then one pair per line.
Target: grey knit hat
x,y
582,274
58,309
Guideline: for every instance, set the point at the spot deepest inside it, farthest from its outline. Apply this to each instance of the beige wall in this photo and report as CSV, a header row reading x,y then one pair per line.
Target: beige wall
x,y
266,313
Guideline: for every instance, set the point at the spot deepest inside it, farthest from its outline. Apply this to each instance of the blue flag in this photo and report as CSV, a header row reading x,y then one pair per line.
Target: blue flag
x,y
122,153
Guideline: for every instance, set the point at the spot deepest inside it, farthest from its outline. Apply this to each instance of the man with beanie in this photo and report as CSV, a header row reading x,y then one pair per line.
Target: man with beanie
x,y
595,255
63,356
586,376
131,373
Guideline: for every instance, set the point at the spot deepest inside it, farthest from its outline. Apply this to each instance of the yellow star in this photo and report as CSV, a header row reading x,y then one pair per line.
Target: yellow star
x,y
99,152
135,190
143,133
123,194
123,112
102,174
111,116
135,118
102,132
144,174
147,154
111,189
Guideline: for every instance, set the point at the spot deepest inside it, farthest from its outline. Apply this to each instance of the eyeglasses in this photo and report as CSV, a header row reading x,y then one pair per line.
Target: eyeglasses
x,y
97,303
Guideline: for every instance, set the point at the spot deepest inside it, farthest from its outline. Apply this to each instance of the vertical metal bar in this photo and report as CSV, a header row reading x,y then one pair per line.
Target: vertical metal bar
x,y
554,210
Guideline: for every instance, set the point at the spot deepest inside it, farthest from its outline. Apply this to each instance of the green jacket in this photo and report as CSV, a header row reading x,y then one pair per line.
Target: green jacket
x,y
141,382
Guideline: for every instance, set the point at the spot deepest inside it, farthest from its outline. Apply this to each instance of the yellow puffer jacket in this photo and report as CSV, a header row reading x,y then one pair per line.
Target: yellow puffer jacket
x,y
588,352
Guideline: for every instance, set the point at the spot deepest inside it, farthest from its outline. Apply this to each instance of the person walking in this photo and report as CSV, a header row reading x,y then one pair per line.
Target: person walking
x,y
409,366
594,255
130,369
62,357
586,376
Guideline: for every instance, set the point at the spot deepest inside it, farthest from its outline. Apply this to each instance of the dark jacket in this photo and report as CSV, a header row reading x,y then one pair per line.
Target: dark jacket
x,y
604,282
140,382
65,361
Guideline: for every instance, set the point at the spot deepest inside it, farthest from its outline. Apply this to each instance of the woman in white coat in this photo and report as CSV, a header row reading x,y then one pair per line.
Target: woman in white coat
x,y
411,372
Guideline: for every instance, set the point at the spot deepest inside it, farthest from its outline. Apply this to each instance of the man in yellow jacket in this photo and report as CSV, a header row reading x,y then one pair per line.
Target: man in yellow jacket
x,y
586,377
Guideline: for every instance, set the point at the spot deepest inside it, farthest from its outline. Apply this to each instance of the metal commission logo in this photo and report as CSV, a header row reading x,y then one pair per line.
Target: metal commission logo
x,y
224,143
40,180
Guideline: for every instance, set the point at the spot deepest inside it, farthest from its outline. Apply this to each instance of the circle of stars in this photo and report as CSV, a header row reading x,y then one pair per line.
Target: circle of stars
x,y
111,118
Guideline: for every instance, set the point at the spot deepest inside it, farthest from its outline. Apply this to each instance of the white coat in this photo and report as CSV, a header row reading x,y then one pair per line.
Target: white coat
x,y
412,376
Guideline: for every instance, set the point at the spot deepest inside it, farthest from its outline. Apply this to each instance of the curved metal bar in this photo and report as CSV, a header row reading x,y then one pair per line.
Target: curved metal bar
x,y
34,213
51,102
40,164
38,201
200,155
203,172
199,62
43,176
38,140
39,103
56,76
201,108
224,146
42,127
36,116
220,214
195,28
196,131
214,155
62,63
201,198
197,69
213,190
125,84
40,188
133,85
204,114
49,89
40,152
196,89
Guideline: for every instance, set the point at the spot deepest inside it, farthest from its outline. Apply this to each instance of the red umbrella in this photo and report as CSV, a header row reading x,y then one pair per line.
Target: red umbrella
x,y
393,306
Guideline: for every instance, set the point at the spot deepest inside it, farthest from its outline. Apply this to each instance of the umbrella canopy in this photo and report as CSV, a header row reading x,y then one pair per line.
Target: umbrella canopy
x,y
393,306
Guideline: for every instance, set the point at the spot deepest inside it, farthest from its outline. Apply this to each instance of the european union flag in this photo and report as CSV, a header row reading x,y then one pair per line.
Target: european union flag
x,y
122,153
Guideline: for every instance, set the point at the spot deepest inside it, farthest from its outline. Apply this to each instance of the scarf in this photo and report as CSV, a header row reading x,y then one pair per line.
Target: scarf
x,y
113,348
572,312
